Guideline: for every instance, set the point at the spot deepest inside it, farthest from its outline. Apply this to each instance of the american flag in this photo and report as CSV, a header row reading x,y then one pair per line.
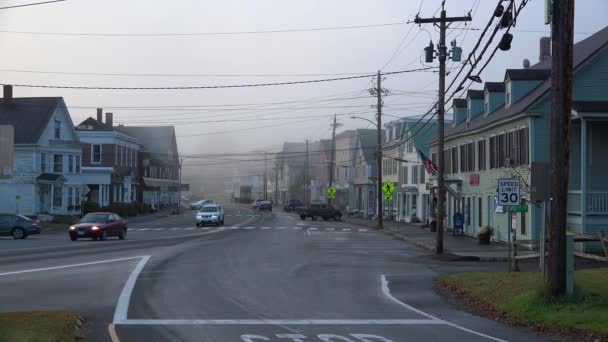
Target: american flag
x,y
430,167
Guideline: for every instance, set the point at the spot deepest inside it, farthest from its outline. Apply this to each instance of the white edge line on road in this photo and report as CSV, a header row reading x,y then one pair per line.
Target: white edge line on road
x,y
387,292
279,321
120,314
67,266
112,332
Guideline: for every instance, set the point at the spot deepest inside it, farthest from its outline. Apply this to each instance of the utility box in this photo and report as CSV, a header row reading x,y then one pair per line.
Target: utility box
x,y
7,140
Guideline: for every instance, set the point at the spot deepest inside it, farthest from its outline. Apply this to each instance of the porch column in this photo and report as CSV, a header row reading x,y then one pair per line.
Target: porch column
x,y
52,197
583,174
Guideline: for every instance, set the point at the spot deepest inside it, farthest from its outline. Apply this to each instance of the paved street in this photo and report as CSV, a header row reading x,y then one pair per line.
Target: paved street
x,y
260,277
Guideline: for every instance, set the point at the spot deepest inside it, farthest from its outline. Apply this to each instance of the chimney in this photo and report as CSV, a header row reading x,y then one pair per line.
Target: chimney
x,y
100,115
545,49
109,119
8,94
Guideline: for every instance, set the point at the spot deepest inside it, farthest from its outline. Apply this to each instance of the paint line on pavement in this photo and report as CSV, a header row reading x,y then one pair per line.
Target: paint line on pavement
x,y
265,228
346,229
112,332
190,228
280,227
362,230
296,227
68,266
250,227
387,292
280,322
159,228
331,229
120,314
313,228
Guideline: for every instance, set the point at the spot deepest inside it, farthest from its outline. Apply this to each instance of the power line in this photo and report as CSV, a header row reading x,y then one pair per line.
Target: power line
x,y
220,33
31,4
250,85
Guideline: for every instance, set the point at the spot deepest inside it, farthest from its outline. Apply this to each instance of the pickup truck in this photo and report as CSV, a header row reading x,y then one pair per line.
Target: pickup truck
x,y
321,210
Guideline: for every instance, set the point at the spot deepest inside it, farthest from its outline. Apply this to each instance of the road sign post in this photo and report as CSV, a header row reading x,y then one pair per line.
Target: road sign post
x,y
509,198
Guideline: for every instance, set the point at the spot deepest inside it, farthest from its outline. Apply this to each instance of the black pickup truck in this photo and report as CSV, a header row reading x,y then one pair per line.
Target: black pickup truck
x,y
321,210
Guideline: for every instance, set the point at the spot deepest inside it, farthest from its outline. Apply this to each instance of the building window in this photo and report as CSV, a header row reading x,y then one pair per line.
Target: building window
x,y
481,155
42,162
77,164
479,211
57,194
422,174
410,145
57,129
415,174
96,154
454,159
57,163
463,158
70,163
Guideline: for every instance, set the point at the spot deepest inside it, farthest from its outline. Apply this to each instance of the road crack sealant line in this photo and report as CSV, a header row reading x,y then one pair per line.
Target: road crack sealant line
x,y
387,292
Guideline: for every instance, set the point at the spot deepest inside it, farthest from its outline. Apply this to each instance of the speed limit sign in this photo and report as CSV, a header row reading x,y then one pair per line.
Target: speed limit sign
x,y
508,191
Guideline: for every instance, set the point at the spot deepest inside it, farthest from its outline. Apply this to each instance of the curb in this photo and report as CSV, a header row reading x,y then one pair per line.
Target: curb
x,y
416,242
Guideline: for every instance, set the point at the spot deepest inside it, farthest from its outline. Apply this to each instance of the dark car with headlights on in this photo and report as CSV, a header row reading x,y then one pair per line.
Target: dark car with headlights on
x,y
99,226
18,226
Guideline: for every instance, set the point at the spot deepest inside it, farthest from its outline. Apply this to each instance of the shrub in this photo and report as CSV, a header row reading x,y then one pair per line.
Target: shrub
x,y
90,207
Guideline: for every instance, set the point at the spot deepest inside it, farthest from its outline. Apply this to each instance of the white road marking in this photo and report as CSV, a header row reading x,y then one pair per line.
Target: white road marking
x,y
279,321
250,227
362,230
280,227
159,228
265,228
235,227
346,229
145,228
112,332
387,292
296,227
205,228
313,228
120,314
190,228
331,229
300,224
68,266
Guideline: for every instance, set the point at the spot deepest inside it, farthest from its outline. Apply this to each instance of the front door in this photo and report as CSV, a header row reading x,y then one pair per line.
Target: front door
x,y
44,198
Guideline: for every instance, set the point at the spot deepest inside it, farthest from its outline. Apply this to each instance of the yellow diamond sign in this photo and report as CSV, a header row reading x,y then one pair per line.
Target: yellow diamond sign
x,y
388,188
331,192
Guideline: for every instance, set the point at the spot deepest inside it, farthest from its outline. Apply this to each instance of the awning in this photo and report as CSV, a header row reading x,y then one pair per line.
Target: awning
x,y
50,178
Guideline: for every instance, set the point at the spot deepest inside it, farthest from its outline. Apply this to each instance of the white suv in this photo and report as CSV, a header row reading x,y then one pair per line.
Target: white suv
x,y
210,213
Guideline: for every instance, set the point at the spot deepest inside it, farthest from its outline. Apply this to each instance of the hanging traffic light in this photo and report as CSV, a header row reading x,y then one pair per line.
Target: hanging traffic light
x,y
505,42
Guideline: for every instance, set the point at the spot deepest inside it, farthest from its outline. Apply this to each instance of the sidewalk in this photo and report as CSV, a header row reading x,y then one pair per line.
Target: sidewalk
x,y
460,247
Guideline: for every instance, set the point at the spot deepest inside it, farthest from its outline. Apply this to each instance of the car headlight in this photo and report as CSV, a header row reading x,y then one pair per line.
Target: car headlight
x,y
214,216
72,228
94,228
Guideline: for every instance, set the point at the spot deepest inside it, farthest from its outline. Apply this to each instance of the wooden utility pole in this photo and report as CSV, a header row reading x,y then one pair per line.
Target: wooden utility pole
x,y
333,155
443,22
562,32
265,178
379,149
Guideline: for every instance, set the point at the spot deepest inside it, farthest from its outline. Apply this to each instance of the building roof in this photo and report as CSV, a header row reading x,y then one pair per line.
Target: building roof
x,y
369,144
50,177
29,116
528,74
459,103
475,94
590,106
494,86
583,50
93,124
158,140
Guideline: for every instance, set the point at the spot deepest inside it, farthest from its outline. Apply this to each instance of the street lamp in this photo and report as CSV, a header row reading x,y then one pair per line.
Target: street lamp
x,y
379,163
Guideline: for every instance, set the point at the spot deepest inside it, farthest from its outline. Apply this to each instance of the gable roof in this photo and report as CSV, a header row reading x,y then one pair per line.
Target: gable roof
x,y
475,94
29,116
459,103
494,86
96,125
527,74
158,140
583,51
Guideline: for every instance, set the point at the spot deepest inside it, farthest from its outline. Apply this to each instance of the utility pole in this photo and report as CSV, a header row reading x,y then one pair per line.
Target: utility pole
x,y
276,184
179,192
306,179
379,148
443,22
265,178
562,32
333,155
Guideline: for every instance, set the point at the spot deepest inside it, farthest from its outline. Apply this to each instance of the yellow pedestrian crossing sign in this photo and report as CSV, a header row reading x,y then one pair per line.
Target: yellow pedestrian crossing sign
x,y
388,188
331,192
388,197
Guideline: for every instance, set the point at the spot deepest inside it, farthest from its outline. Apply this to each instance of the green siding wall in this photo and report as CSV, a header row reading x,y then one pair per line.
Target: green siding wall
x,y
519,89
497,100
460,114
590,82
476,107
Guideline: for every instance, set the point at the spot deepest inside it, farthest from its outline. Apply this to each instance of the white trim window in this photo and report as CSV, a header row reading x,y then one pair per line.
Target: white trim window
x,y
57,129
70,164
96,154
43,161
57,163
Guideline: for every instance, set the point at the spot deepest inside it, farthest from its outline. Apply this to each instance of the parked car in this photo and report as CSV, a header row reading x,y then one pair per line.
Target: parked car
x,y
199,204
265,205
322,210
210,213
18,226
292,205
256,203
99,226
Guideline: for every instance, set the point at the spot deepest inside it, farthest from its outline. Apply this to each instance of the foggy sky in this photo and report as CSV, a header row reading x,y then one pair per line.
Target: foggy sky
x,y
320,52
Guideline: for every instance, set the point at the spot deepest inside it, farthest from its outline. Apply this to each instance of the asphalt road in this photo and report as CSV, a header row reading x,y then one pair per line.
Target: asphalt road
x,y
260,277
